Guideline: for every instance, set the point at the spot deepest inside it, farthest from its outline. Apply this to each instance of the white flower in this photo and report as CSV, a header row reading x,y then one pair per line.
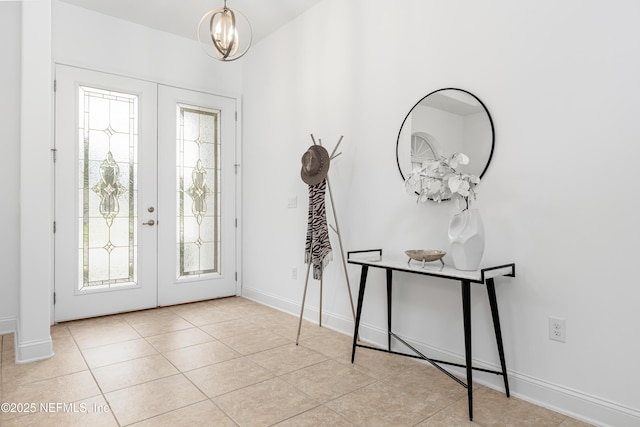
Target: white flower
x,y
458,185
433,186
454,183
438,180
414,178
431,165
458,159
423,197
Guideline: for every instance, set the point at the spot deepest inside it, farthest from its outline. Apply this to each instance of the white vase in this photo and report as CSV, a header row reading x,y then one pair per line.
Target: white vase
x,y
466,238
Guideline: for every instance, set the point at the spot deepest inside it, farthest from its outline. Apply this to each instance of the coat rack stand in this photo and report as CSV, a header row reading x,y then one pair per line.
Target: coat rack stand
x,y
336,230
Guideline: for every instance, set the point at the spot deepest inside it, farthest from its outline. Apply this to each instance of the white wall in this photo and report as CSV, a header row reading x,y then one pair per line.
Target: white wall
x,y
74,36
10,34
92,40
559,199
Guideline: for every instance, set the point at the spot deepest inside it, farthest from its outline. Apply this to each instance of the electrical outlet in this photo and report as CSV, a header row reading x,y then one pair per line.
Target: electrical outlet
x,y
557,329
294,273
292,202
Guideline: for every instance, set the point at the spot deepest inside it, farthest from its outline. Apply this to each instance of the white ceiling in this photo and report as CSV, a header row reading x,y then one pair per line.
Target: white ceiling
x,y
453,101
181,17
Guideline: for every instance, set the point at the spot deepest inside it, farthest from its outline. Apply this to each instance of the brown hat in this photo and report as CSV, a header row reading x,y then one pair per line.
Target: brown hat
x,y
315,165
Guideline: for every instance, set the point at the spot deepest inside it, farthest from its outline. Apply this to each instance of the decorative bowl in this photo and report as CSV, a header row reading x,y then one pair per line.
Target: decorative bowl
x,y
425,255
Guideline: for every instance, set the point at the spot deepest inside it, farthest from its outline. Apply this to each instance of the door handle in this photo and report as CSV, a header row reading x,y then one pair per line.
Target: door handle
x,y
150,222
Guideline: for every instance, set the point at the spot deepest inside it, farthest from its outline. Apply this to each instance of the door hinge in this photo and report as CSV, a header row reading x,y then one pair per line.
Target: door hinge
x,y
54,298
54,154
236,116
236,222
236,166
55,85
236,276
54,227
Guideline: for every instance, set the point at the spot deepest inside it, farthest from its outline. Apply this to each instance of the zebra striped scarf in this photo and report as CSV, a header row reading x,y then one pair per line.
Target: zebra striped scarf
x,y
317,249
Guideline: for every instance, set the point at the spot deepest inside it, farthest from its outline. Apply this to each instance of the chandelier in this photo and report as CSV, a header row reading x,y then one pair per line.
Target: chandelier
x,y
222,31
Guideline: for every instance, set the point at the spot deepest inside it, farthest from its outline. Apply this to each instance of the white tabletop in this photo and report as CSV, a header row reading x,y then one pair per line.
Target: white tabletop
x,y
433,268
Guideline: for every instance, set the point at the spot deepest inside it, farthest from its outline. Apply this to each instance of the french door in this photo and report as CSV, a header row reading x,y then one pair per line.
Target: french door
x,y
197,197
144,195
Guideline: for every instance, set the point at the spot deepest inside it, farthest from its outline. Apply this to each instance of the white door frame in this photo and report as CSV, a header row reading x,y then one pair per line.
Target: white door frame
x,y
238,187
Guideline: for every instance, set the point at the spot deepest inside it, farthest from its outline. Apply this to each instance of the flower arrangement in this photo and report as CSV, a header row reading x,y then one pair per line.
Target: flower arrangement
x,y
438,180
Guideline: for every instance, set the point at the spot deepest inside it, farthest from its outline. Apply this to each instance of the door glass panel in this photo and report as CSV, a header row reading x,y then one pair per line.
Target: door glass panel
x,y
198,191
108,137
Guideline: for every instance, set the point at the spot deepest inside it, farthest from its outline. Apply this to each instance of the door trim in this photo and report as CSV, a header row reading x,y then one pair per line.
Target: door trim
x,y
238,175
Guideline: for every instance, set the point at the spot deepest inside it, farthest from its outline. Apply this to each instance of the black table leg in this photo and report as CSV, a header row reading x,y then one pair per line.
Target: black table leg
x,y
491,291
363,281
389,276
466,314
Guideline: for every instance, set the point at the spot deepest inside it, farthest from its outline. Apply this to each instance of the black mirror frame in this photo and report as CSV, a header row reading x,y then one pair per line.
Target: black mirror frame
x,y
493,131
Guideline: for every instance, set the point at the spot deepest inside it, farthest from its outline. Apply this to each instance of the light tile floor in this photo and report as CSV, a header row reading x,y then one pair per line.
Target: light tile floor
x,y
233,362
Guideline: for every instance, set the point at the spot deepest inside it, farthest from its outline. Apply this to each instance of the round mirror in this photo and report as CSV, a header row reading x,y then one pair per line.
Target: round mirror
x,y
445,122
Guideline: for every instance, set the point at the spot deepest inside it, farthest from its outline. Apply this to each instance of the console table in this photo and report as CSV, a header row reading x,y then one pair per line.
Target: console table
x,y
374,258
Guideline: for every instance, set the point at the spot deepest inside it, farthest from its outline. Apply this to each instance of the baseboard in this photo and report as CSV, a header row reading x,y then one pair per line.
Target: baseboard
x,y
333,321
575,404
7,325
271,300
29,351
33,351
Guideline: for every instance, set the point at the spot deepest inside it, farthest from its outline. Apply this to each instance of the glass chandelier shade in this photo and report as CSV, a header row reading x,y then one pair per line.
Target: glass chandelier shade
x,y
226,44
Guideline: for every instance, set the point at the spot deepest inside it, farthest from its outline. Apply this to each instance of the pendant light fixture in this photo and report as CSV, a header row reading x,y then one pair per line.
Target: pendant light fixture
x,y
222,29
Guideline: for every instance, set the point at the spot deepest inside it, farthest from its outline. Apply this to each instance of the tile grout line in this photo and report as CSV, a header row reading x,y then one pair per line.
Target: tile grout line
x,y
182,373
179,372
95,380
276,329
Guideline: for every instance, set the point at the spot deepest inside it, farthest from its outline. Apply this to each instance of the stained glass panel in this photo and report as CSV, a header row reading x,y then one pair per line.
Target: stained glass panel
x,y
108,137
198,195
